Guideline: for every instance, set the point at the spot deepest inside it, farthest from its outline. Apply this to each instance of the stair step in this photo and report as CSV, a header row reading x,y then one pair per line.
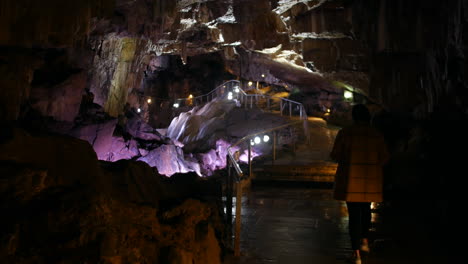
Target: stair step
x,y
318,172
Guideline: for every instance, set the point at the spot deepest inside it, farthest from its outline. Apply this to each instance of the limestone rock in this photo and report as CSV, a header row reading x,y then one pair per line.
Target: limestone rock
x,y
70,208
169,159
58,155
99,135
62,102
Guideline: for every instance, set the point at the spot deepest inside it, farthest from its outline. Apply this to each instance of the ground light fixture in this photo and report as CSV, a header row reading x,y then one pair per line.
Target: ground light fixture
x,y
257,140
348,95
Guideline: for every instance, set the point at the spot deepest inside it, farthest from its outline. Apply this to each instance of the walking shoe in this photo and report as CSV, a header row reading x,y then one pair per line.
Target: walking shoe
x,y
364,245
353,259
365,248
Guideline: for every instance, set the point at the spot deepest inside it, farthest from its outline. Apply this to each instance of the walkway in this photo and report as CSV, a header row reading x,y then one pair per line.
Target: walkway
x,y
292,220
297,225
307,162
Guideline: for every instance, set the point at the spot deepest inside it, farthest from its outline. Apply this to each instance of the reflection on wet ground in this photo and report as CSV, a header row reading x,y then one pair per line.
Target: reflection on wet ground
x,y
305,225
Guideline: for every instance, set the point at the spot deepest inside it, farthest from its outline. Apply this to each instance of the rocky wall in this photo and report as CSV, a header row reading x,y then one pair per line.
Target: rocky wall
x,y
116,42
109,39
61,205
417,52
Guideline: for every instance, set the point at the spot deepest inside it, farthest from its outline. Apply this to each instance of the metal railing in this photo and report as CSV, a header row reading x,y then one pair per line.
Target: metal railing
x,y
232,90
236,175
221,91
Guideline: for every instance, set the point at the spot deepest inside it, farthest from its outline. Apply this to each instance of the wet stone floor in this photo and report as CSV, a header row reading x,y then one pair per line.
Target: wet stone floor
x,y
298,225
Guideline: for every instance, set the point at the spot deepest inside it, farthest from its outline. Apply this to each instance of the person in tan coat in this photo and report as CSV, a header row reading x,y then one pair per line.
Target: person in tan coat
x,y
361,152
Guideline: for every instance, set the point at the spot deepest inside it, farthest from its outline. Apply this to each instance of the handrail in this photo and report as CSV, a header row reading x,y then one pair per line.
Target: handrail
x,y
225,88
234,87
240,174
215,93
232,90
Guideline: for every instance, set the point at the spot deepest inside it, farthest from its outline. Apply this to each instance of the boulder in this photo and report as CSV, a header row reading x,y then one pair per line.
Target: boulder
x,y
63,160
62,101
169,159
136,127
56,209
98,134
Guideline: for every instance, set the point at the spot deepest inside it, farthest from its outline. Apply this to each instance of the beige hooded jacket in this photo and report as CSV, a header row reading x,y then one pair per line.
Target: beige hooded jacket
x,y
360,151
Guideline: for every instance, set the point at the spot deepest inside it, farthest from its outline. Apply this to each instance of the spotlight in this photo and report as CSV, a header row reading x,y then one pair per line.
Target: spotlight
x,y
266,138
236,89
328,110
230,95
190,96
250,83
263,75
348,95
252,143
257,140
176,105
149,100
139,110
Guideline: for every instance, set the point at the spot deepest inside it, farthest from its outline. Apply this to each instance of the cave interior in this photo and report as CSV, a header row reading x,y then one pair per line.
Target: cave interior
x,y
116,120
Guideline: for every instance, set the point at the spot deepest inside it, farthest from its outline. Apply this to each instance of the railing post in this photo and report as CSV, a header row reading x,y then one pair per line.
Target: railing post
x,y
293,142
250,158
238,218
274,146
281,106
290,109
268,103
229,201
251,101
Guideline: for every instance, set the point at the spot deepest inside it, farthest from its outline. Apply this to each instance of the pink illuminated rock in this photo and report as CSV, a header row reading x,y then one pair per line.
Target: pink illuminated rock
x,y
169,159
98,135
136,127
121,149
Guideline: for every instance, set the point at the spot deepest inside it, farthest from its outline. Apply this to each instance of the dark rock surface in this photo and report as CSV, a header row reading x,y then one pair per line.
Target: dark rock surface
x,y
67,207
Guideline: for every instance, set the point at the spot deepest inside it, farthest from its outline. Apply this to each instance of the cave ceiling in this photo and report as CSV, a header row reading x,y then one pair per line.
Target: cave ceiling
x,y
114,48
286,43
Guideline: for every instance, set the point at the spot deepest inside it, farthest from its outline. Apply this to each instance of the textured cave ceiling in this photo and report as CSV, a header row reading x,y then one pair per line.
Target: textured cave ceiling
x,y
393,52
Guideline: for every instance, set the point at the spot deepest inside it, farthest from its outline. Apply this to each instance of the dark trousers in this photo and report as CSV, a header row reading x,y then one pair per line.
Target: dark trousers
x,y
359,222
